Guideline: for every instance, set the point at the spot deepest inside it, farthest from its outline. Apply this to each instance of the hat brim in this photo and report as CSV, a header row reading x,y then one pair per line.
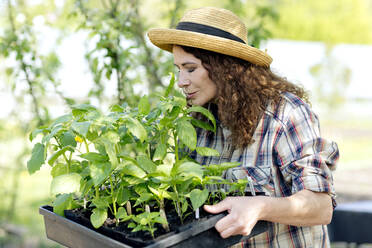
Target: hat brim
x,y
166,38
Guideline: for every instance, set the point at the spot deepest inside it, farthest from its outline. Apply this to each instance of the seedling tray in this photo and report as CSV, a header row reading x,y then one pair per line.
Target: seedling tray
x,y
201,234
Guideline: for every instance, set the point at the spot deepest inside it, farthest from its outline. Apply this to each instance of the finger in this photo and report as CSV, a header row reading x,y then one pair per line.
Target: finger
x,y
229,232
219,207
225,223
235,230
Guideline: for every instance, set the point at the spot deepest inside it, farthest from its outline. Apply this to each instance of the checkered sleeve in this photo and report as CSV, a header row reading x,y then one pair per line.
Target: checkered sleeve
x,y
305,159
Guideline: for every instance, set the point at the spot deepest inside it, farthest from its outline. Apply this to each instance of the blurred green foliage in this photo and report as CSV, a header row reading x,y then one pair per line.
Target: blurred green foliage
x,y
330,21
332,79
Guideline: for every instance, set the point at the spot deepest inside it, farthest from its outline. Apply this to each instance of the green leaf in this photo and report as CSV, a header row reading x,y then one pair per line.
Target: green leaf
x,y
184,186
34,133
198,197
180,101
83,106
61,203
81,127
170,86
54,131
86,186
102,202
112,136
185,205
132,170
146,164
206,151
154,191
99,172
155,113
165,123
123,195
62,119
68,139
109,141
139,227
140,189
58,153
160,152
186,133
122,214
160,220
202,124
188,169
144,105
144,197
117,108
127,158
218,169
205,112
176,110
132,180
94,157
98,217
160,193
59,169
37,158
67,183
137,129
131,225
164,170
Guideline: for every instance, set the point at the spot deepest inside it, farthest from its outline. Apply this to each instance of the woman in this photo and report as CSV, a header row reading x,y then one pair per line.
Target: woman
x,y
264,123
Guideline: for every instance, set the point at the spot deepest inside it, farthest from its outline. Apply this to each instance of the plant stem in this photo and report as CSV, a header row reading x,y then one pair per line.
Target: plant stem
x,y
129,208
175,146
177,202
148,150
113,198
97,192
68,161
162,214
86,144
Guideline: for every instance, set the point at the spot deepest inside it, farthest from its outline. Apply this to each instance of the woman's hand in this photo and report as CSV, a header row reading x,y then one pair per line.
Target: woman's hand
x,y
244,212
304,208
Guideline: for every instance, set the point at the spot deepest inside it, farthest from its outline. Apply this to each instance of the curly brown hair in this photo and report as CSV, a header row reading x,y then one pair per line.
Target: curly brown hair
x,y
243,91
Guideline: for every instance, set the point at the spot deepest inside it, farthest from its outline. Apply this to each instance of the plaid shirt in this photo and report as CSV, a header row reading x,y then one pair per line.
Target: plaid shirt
x,y
288,155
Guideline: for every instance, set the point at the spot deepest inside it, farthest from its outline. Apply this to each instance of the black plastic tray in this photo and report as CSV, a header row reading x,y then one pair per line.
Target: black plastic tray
x,y
201,234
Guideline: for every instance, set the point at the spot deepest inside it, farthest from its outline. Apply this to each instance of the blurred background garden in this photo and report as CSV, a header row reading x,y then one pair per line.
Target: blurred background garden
x,y
56,53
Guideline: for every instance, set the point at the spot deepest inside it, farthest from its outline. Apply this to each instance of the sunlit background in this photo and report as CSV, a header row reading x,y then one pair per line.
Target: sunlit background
x,y
57,53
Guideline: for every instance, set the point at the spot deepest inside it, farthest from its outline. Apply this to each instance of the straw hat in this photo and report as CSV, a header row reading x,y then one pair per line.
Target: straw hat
x,y
212,29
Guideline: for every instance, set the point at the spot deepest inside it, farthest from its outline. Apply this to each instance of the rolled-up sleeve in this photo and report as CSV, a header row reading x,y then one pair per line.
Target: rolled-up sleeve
x,y
304,158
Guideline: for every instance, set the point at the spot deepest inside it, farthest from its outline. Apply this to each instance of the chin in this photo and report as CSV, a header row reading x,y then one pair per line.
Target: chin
x,y
190,102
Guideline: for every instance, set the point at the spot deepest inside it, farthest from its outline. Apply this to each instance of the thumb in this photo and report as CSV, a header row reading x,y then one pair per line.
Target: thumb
x,y
219,207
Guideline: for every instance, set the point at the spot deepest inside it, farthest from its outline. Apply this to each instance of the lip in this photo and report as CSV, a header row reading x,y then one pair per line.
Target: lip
x,y
191,95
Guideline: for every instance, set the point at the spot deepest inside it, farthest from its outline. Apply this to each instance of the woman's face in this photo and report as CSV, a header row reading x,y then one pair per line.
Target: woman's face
x,y
193,78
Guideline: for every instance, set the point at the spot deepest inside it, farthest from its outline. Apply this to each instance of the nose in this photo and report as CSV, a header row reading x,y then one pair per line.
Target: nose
x,y
183,81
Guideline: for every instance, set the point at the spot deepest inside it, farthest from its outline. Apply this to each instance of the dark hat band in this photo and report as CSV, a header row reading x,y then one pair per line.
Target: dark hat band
x,y
205,29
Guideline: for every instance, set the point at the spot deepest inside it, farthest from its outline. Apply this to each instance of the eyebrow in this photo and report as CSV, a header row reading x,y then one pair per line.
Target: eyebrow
x,y
186,63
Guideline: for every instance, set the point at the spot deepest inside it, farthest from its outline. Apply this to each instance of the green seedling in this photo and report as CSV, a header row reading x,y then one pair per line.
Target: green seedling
x,y
117,163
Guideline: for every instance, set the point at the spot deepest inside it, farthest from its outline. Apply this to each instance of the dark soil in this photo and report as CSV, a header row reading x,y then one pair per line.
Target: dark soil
x,y
136,239
122,233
